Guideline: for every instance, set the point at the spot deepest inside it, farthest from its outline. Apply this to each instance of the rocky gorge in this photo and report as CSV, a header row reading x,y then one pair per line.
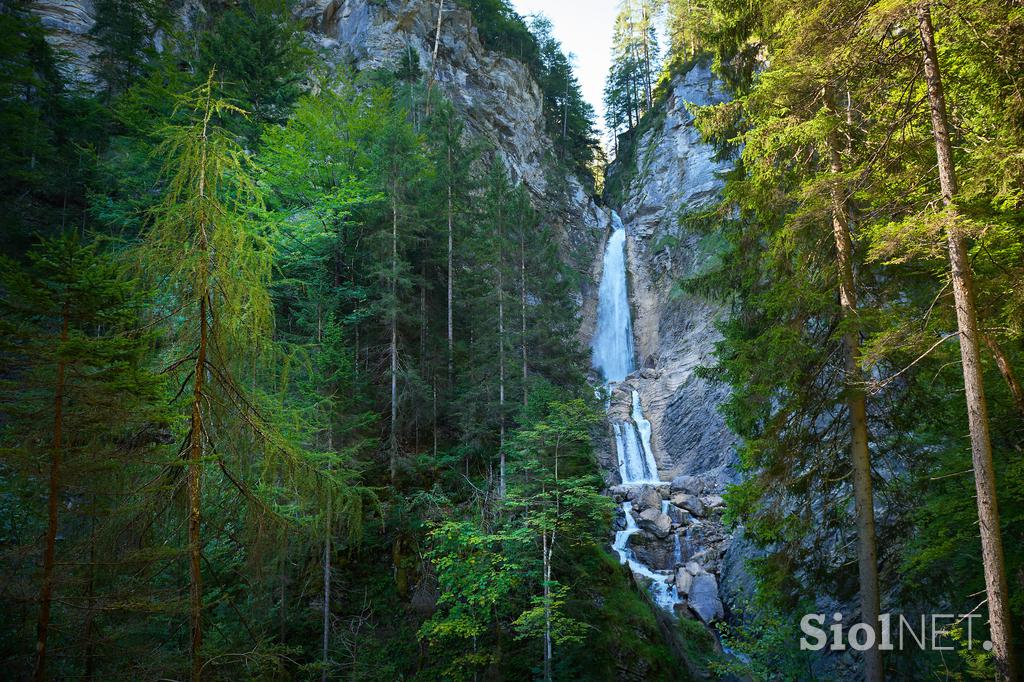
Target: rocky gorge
x,y
679,534
669,528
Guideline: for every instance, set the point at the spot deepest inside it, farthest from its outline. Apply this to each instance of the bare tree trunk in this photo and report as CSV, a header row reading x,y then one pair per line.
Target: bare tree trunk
x,y
974,390
860,456
647,54
501,363
50,543
522,309
451,243
89,669
325,647
1006,369
393,444
547,605
433,56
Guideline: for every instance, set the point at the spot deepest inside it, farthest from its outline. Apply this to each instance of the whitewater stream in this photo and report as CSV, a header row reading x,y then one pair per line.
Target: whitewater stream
x,y
613,357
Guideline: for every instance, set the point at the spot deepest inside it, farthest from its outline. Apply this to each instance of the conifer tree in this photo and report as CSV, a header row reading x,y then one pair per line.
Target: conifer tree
x,y
204,246
79,394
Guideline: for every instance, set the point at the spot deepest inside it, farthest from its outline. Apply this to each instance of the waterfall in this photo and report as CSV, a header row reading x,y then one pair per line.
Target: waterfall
x,y
663,594
650,467
613,338
612,348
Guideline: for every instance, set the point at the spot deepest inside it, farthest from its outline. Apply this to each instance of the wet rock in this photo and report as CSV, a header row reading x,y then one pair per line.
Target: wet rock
x,y
680,517
703,598
690,503
654,521
622,493
684,581
647,497
690,485
652,551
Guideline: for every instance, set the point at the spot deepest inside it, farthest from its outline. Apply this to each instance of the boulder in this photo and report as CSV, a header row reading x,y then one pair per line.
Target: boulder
x,y
653,521
653,552
690,503
684,581
703,598
692,567
713,501
690,485
680,517
621,493
647,497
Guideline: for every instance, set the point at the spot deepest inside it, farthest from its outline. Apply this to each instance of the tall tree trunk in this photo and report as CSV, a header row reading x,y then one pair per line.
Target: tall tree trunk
x,y
50,542
860,457
645,25
325,646
89,669
545,551
195,482
1006,369
433,56
522,309
974,390
451,243
393,440
501,360
325,643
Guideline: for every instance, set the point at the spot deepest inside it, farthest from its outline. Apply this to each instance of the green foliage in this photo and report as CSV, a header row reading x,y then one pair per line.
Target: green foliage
x,y
841,77
47,134
298,227
259,54
762,645
123,33
73,352
629,88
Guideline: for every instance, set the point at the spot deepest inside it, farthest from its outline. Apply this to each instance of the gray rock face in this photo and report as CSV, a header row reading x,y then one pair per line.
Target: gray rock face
x,y
690,503
680,517
647,497
691,485
67,24
703,598
671,173
655,522
652,551
713,501
622,493
675,334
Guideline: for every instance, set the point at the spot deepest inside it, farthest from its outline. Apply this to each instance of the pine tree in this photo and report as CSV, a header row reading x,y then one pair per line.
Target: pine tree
x,y
258,52
78,394
123,32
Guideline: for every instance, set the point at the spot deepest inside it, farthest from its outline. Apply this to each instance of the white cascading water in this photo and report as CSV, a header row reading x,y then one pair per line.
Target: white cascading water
x,y
613,357
612,346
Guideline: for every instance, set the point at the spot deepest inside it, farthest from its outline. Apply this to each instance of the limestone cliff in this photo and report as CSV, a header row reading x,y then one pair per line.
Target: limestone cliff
x,y
673,171
666,171
496,95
